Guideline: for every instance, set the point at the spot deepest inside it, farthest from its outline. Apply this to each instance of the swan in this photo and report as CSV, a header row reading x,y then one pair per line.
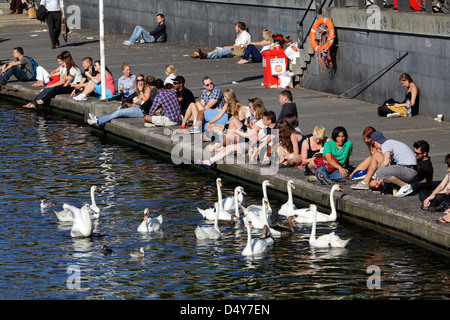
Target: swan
x,y
212,233
82,223
289,206
256,215
94,210
304,215
330,240
228,203
64,216
150,224
265,183
224,216
138,254
254,246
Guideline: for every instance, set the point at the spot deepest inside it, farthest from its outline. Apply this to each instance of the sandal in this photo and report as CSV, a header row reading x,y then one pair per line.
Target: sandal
x,y
442,220
200,162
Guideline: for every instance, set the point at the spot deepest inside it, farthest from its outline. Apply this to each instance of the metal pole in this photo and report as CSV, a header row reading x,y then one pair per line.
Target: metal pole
x,y
102,50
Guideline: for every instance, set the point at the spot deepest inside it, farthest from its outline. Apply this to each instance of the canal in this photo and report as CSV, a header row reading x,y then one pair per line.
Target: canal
x,y
48,156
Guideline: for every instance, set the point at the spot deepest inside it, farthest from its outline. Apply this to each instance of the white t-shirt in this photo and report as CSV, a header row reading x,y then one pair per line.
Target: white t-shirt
x,y
243,38
170,78
400,152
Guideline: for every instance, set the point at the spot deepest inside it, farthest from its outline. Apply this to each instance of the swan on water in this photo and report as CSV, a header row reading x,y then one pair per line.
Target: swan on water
x,y
330,240
94,210
66,215
289,206
82,223
150,224
254,246
257,214
304,215
211,233
258,208
228,203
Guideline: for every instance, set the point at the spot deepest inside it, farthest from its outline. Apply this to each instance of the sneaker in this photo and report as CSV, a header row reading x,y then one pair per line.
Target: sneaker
x,y
127,43
80,97
194,130
403,191
322,179
393,115
360,186
360,174
92,120
149,125
142,41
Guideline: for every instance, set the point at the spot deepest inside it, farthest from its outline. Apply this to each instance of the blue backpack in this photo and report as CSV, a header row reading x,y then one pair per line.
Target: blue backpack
x,y
35,65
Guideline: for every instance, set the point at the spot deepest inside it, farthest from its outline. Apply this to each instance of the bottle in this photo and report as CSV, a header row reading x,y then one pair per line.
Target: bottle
x,y
408,108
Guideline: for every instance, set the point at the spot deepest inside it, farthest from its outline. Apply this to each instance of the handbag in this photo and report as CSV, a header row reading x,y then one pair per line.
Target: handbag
x,y
237,52
323,162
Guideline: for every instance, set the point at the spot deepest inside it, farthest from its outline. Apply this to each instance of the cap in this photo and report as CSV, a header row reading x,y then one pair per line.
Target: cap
x,y
179,79
377,136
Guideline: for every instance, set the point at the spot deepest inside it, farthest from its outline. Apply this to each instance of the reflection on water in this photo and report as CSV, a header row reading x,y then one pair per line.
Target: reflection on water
x,y
44,156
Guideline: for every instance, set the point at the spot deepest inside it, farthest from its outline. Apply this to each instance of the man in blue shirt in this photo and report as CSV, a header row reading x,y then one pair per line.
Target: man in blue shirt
x,y
126,82
157,35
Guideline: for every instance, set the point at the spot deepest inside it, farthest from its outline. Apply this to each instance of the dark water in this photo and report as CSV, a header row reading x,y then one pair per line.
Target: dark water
x,y
45,156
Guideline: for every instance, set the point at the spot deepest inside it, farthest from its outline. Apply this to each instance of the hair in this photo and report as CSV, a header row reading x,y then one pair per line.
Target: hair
x,y
124,65
150,80
292,120
270,115
367,133
159,84
67,58
170,69
241,25
405,77
267,33
206,78
259,108
319,132
447,159
140,75
106,67
422,145
285,129
287,94
255,100
233,104
168,86
336,132
181,80
19,50
161,15
88,59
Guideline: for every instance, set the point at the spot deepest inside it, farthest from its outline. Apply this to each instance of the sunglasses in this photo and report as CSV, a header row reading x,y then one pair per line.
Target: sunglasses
x,y
139,80
175,82
418,153
208,84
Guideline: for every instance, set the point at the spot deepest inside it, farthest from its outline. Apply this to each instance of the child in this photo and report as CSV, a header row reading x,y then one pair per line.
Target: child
x,y
171,74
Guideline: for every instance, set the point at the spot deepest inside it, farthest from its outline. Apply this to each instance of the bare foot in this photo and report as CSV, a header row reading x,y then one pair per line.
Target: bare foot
x,y
242,61
29,106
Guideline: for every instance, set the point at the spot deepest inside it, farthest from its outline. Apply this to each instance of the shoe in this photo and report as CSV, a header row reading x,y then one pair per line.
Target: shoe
x,y
322,179
393,115
80,97
92,120
442,220
360,186
202,55
403,191
183,127
312,179
127,43
142,41
57,42
360,174
53,46
200,162
194,130
149,125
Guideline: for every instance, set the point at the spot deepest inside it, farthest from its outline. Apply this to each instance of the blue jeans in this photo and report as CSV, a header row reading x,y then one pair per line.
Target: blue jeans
x,y
132,112
18,72
334,176
251,49
219,54
138,32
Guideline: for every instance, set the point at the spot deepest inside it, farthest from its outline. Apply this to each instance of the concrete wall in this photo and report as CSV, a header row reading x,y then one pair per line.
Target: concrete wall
x,y
362,50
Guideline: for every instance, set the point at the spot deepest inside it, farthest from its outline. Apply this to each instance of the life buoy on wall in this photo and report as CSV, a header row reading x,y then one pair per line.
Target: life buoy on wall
x,y
318,48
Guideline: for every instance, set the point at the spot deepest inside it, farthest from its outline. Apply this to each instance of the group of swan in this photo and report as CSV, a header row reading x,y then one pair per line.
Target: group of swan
x,y
67,216
150,224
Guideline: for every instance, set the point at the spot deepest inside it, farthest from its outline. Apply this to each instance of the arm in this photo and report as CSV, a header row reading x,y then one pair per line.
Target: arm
x,y
386,159
304,152
211,103
217,117
337,165
439,189
9,65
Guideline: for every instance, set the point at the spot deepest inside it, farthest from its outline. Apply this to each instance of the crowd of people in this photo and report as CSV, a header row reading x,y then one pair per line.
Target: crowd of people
x,y
247,130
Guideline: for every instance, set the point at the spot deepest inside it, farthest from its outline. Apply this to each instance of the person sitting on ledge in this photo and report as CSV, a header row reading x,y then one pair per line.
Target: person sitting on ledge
x,y
21,67
157,35
252,53
94,84
165,110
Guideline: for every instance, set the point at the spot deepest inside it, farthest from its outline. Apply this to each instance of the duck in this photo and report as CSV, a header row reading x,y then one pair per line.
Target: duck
x,y
139,254
282,231
224,216
82,223
304,215
106,250
228,203
265,183
289,206
330,240
211,233
254,246
150,224
46,205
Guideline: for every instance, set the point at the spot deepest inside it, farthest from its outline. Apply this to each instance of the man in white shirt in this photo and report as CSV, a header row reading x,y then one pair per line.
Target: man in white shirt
x,y
242,38
56,14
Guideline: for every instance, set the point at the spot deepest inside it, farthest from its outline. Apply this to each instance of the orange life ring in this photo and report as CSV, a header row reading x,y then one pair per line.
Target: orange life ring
x,y
330,35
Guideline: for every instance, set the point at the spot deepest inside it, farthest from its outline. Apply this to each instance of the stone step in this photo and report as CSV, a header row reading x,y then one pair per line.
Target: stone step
x,y
7,19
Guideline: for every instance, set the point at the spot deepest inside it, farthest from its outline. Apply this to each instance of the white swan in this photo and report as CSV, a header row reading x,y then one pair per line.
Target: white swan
x,y
330,240
150,224
224,216
305,215
289,205
211,233
254,246
228,203
94,210
257,214
82,223
65,215
265,183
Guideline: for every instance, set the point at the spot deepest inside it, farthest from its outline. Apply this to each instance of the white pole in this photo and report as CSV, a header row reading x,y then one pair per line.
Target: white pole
x,y
102,50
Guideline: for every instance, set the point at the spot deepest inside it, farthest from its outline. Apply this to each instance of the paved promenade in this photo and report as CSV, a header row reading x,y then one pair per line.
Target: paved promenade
x,y
402,217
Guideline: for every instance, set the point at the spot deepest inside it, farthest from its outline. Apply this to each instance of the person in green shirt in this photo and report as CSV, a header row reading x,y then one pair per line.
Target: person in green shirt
x,y
341,148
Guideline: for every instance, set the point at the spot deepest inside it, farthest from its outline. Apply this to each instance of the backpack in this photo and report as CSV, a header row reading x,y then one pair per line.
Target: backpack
x,y
35,65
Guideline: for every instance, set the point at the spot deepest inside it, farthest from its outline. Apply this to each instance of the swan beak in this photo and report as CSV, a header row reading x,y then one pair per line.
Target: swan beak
x,y
293,186
250,224
340,189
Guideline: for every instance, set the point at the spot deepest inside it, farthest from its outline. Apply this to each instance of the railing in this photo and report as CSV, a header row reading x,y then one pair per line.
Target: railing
x,y
319,7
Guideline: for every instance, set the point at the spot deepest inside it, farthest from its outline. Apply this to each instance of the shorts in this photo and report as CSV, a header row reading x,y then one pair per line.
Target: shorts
x,y
211,113
163,121
403,173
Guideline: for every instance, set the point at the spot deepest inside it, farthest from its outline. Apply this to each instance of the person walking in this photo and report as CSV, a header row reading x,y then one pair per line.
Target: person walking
x,y
56,14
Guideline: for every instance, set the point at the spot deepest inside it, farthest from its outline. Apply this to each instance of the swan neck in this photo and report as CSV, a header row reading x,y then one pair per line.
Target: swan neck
x,y
236,205
93,197
332,204
219,195
312,238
